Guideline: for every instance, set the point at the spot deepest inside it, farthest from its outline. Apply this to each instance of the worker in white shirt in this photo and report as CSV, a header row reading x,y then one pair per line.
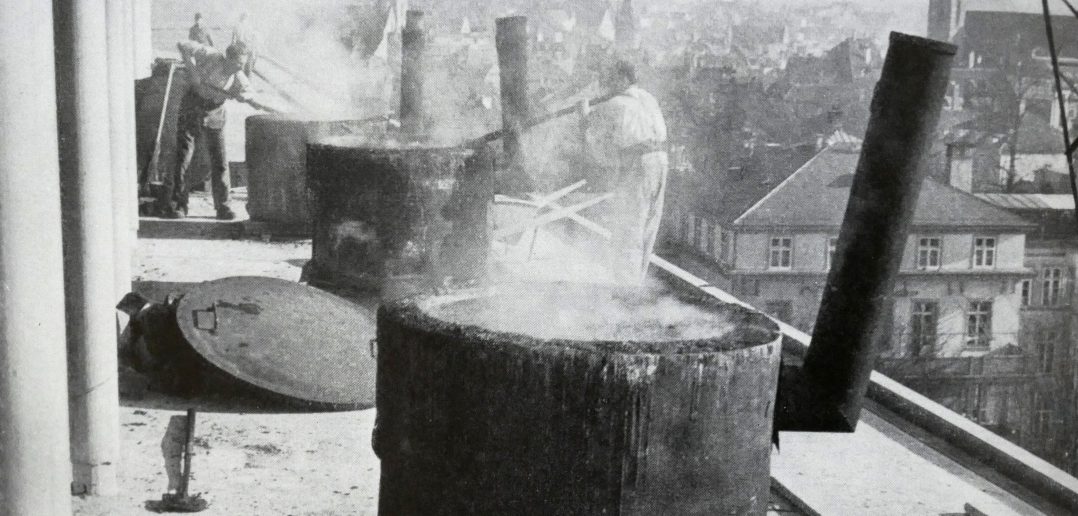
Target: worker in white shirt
x,y
626,139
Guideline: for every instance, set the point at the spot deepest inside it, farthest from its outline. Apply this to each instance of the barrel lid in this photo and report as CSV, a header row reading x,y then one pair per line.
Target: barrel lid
x,y
284,337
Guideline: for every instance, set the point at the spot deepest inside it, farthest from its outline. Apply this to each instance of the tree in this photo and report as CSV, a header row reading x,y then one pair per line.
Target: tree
x,y
1007,88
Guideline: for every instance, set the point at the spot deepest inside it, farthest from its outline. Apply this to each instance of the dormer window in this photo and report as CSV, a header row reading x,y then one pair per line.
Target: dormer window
x,y
984,252
780,253
929,251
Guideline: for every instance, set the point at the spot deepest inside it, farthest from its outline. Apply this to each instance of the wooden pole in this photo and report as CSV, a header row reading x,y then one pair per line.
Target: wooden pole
x,y
35,461
826,394
89,270
536,121
413,46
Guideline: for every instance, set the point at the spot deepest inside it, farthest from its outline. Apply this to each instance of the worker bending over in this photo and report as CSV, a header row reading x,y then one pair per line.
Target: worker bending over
x,y
626,139
214,77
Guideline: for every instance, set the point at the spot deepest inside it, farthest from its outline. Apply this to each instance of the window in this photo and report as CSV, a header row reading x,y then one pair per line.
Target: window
x,y
928,253
1046,347
710,239
684,228
697,230
832,244
1042,420
724,247
780,253
984,252
923,317
1026,287
977,403
747,286
1052,286
979,324
781,310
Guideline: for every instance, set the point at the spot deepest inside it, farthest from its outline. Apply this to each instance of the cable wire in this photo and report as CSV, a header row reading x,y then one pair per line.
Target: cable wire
x,y
1068,145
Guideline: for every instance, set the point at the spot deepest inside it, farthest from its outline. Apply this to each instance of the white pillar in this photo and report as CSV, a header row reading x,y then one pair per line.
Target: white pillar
x,y
89,277
129,42
142,64
122,125
35,463
143,36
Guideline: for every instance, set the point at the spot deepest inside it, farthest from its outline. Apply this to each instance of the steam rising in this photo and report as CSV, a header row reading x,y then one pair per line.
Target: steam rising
x,y
314,52
583,313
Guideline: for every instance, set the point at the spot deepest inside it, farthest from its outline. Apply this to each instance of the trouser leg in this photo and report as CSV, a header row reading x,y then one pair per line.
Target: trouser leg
x,y
637,208
627,219
220,182
654,218
187,133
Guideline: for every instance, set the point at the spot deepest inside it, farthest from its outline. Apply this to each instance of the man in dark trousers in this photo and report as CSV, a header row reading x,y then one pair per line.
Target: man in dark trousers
x,y
214,77
198,32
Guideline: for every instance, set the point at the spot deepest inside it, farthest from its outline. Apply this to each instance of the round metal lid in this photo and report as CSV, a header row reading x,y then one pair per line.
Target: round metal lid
x,y
284,337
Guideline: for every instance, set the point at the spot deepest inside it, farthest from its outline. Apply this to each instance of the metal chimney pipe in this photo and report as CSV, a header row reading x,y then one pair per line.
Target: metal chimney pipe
x,y
511,40
413,46
827,392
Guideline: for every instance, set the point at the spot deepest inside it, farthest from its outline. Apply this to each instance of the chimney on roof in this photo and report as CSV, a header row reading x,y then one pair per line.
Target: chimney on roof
x,y
943,18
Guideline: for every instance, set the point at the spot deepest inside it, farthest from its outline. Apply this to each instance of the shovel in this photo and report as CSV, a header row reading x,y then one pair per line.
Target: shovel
x,y
181,501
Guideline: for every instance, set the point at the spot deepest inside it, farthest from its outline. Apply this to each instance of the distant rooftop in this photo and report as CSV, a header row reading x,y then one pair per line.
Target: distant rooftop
x,y
1014,201
826,180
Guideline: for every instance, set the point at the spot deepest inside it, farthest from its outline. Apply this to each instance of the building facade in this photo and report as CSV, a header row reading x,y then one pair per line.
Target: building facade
x,y
1049,318
974,320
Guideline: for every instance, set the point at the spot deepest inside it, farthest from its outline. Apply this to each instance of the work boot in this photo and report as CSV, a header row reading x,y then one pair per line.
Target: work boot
x,y
225,213
173,213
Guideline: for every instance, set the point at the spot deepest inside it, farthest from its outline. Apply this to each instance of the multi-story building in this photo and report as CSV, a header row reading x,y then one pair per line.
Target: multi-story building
x,y
1049,317
955,320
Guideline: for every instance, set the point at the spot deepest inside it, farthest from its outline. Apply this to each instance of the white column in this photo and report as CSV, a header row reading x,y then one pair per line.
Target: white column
x,y
143,36
89,273
122,125
129,42
35,463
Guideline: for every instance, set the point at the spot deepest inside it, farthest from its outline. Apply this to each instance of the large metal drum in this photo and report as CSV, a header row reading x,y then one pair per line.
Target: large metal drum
x,y
277,190
574,399
398,219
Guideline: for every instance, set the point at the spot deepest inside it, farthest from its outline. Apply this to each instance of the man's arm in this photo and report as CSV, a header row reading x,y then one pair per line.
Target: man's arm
x,y
192,53
241,88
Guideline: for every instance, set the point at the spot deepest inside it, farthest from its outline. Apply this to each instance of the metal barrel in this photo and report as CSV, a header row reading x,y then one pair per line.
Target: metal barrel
x,y
398,218
477,415
277,191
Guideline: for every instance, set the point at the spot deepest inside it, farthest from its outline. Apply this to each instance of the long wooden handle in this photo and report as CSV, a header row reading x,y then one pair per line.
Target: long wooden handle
x,y
164,109
539,120
156,153
233,96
